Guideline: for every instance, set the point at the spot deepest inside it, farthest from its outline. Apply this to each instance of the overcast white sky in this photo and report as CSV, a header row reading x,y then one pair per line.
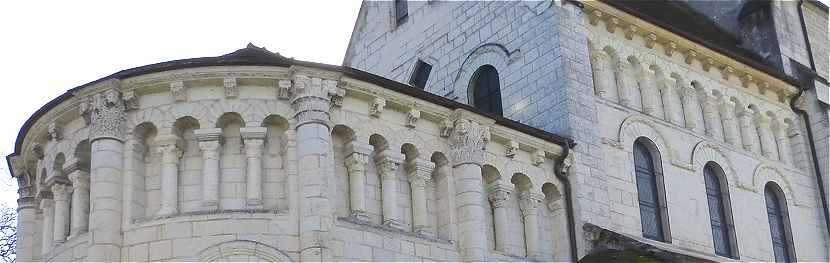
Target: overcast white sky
x,y
48,47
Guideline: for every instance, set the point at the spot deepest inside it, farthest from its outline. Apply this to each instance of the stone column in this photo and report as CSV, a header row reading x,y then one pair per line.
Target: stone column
x,y
387,162
624,83
648,93
601,66
783,143
499,195
106,172
26,219
710,117
47,205
688,99
253,138
209,143
356,166
467,143
420,175
670,108
80,202
529,204
311,104
61,192
749,135
768,147
170,154
730,125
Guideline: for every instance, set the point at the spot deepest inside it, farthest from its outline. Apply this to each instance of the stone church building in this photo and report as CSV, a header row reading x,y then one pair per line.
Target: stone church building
x,y
454,131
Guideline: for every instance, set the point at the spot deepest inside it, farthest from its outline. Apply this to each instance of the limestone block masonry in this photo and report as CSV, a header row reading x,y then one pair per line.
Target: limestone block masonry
x,y
251,156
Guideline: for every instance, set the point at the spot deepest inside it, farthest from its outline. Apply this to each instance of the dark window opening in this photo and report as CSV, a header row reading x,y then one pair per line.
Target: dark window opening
x,y
420,75
647,193
779,226
401,11
718,214
486,90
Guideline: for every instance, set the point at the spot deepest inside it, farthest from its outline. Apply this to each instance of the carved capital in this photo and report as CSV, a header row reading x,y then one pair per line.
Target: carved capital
x,y
529,202
231,89
46,204
79,179
468,141
168,147
310,101
177,91
499,193
253,147
387,162
420,171
210,149
108,117
61,192
356,161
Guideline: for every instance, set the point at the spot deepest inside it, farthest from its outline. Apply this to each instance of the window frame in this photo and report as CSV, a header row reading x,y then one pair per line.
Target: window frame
x,y
784,219
726,208
413,77
397,6
473,87
658,185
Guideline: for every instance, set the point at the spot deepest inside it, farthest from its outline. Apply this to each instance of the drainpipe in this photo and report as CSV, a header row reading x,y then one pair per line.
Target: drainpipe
x,y
807,86
569,210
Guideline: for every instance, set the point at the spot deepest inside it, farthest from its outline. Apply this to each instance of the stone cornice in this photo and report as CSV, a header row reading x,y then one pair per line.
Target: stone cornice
x,y
597,12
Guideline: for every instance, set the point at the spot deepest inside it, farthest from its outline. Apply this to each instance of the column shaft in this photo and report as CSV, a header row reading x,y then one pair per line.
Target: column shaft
x,y
47,226
420,174
749,136
26,229
388,162
209,144
529,204
356,166
254,138
688,100
62,196
499,196
80,202
170,155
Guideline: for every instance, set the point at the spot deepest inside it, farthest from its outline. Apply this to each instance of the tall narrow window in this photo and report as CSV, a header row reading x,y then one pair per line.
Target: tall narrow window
x,y
401,11
486,92
719,216
420,75
779,225
648,194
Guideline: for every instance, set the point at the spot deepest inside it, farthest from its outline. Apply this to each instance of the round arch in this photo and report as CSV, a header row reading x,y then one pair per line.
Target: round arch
x,y
492,54
242,250
705,152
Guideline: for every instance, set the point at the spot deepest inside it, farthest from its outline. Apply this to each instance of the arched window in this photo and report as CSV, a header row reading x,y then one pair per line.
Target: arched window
x,y
486,92
720,216
652,202
779,224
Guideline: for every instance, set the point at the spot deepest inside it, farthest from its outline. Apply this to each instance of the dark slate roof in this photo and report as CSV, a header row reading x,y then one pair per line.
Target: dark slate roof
x,y
257,56
679,18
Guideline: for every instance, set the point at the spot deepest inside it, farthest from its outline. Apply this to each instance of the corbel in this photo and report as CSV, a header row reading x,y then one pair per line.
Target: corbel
x,y
595,16
446,127
177,90
284,89
412,117
669,47
611,24
335,92
511,148
55,132
130,99
707,63
726,71
631,31
85,109
746,79
651,38
376,108
231,88
691,55
538,157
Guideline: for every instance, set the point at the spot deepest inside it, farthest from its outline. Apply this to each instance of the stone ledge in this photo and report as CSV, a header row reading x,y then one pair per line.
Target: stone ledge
x,y
369,226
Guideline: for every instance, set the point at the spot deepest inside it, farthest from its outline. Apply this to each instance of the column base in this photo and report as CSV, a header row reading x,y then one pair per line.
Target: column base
x,y
394,223
360,216
166,212
423,231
